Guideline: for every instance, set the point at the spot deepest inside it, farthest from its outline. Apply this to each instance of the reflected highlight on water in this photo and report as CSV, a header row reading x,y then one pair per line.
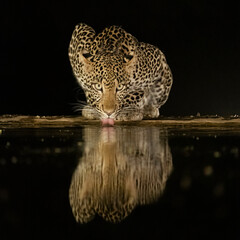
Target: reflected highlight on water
x,y
120,168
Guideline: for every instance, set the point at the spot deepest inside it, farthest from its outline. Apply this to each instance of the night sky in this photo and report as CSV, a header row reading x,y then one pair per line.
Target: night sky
x,y
201,41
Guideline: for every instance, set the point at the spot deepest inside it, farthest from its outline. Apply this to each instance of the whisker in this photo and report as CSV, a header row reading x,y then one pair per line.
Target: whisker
x,y
80,105
79,109
82,102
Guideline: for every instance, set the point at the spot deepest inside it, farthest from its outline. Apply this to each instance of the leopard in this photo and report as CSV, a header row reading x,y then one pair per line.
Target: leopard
x,y
122,78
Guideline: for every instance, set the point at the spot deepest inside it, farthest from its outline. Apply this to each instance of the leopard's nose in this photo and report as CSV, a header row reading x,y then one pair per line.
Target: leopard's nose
x,y
108,111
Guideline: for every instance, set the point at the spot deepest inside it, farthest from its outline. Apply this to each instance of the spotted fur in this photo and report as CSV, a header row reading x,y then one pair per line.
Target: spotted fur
x,y
122,78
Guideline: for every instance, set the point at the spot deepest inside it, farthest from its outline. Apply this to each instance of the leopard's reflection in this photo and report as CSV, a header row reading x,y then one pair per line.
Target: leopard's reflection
x,y
120,168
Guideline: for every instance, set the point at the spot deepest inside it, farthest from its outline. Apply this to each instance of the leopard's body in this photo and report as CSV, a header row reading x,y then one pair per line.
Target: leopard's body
x,y
123,79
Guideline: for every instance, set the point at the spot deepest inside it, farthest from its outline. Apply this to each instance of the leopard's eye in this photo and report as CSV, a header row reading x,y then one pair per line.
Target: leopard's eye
x,y
120,87
98,86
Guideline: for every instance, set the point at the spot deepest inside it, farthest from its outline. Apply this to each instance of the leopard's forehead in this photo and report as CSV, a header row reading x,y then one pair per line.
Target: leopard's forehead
x,y
108,60
108,66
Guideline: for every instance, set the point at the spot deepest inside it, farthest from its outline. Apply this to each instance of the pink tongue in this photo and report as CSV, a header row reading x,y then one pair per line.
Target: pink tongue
x,y
107,122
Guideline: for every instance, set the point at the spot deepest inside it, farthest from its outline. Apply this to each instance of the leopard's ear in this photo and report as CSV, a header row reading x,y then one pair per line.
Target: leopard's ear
x,y
81,40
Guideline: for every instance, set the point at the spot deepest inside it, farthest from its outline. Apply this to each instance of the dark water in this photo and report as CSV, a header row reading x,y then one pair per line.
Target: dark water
x,y
119,183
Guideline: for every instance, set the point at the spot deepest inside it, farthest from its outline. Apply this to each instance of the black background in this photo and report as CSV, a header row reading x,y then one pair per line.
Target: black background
x,y
199,38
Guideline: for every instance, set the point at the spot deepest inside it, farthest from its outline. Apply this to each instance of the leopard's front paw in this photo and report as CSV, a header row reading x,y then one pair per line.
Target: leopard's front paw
x,y
150,112
130,116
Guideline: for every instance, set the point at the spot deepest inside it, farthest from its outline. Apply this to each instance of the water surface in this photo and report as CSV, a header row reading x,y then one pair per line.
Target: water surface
x,y
120,182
